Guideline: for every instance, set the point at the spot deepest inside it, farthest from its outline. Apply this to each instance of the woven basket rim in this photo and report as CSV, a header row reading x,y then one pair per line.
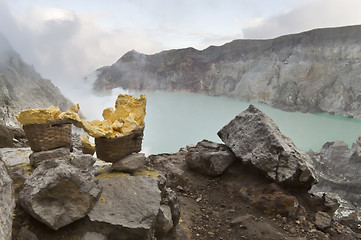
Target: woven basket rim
x,y
131,133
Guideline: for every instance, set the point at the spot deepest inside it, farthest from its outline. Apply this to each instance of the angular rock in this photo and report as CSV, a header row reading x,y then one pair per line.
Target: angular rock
x,y
209,158
322,221
170,198
173,203
20,140
15,156
26,234
7,201
83,161
76,142
257,140
19,176
128,207
36,158
58,193
130,163
164,222
6,137
337,167
100,167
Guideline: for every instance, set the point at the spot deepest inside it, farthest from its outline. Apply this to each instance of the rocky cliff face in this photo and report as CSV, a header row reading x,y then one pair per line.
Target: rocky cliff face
x,y
22,87
315,71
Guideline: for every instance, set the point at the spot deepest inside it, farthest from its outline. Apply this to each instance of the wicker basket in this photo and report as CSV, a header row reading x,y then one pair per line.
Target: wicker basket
x,y
50,135
114,149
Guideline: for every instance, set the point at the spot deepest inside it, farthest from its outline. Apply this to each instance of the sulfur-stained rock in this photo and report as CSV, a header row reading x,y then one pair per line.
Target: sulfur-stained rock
x,y
15,156
209,158
58,193
257,140
130,163
7,201
136,200
36,158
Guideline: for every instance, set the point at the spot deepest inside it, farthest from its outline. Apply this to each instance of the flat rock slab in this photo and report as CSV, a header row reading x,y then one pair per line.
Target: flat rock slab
x,y
130,163
257,140
57,193
15,156
128,205
36,158
7,201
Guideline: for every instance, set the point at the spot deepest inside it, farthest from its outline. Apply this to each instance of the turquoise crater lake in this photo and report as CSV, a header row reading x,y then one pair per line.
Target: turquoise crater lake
x,y
177,119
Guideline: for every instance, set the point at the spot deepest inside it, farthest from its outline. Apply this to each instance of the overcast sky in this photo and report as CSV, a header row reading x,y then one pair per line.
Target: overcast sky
x,y
68,39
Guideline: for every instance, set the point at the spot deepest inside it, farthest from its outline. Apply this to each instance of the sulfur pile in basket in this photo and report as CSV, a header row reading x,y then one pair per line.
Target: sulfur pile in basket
x,y
128,115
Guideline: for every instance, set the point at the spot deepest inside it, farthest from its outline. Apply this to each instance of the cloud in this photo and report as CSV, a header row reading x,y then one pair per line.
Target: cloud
x,y
309,15
65,46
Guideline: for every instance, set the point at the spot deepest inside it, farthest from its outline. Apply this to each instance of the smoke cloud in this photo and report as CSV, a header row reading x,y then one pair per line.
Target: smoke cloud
x,y
309,15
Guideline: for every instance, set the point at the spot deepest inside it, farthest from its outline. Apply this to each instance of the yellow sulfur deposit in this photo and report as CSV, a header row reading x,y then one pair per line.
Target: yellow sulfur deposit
x,y
127,116
87,146
38,115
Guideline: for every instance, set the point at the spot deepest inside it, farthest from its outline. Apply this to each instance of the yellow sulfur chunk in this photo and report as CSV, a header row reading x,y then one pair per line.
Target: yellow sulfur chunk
x,y
108,114
128,115
38,115
117,126
71,113
86,143
121,112
129,105
95,130
129,125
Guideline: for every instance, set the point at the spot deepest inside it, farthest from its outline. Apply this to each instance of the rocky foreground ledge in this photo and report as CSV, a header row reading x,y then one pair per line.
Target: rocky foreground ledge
x,y
255,186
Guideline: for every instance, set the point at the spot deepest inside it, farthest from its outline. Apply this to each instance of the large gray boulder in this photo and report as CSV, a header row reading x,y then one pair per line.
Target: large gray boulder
x,y
128,207
337,168
209,158
7,201
338,173
57,193
257,140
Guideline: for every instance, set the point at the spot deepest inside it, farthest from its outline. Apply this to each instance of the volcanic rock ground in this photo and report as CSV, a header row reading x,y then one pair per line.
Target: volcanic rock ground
x,y
240,204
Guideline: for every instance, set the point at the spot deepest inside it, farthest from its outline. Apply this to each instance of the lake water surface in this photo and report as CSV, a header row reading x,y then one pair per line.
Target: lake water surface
x,y
175,120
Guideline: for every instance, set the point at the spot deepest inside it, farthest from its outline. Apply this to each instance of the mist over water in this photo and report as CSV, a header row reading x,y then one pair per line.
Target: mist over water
x,y
177,119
